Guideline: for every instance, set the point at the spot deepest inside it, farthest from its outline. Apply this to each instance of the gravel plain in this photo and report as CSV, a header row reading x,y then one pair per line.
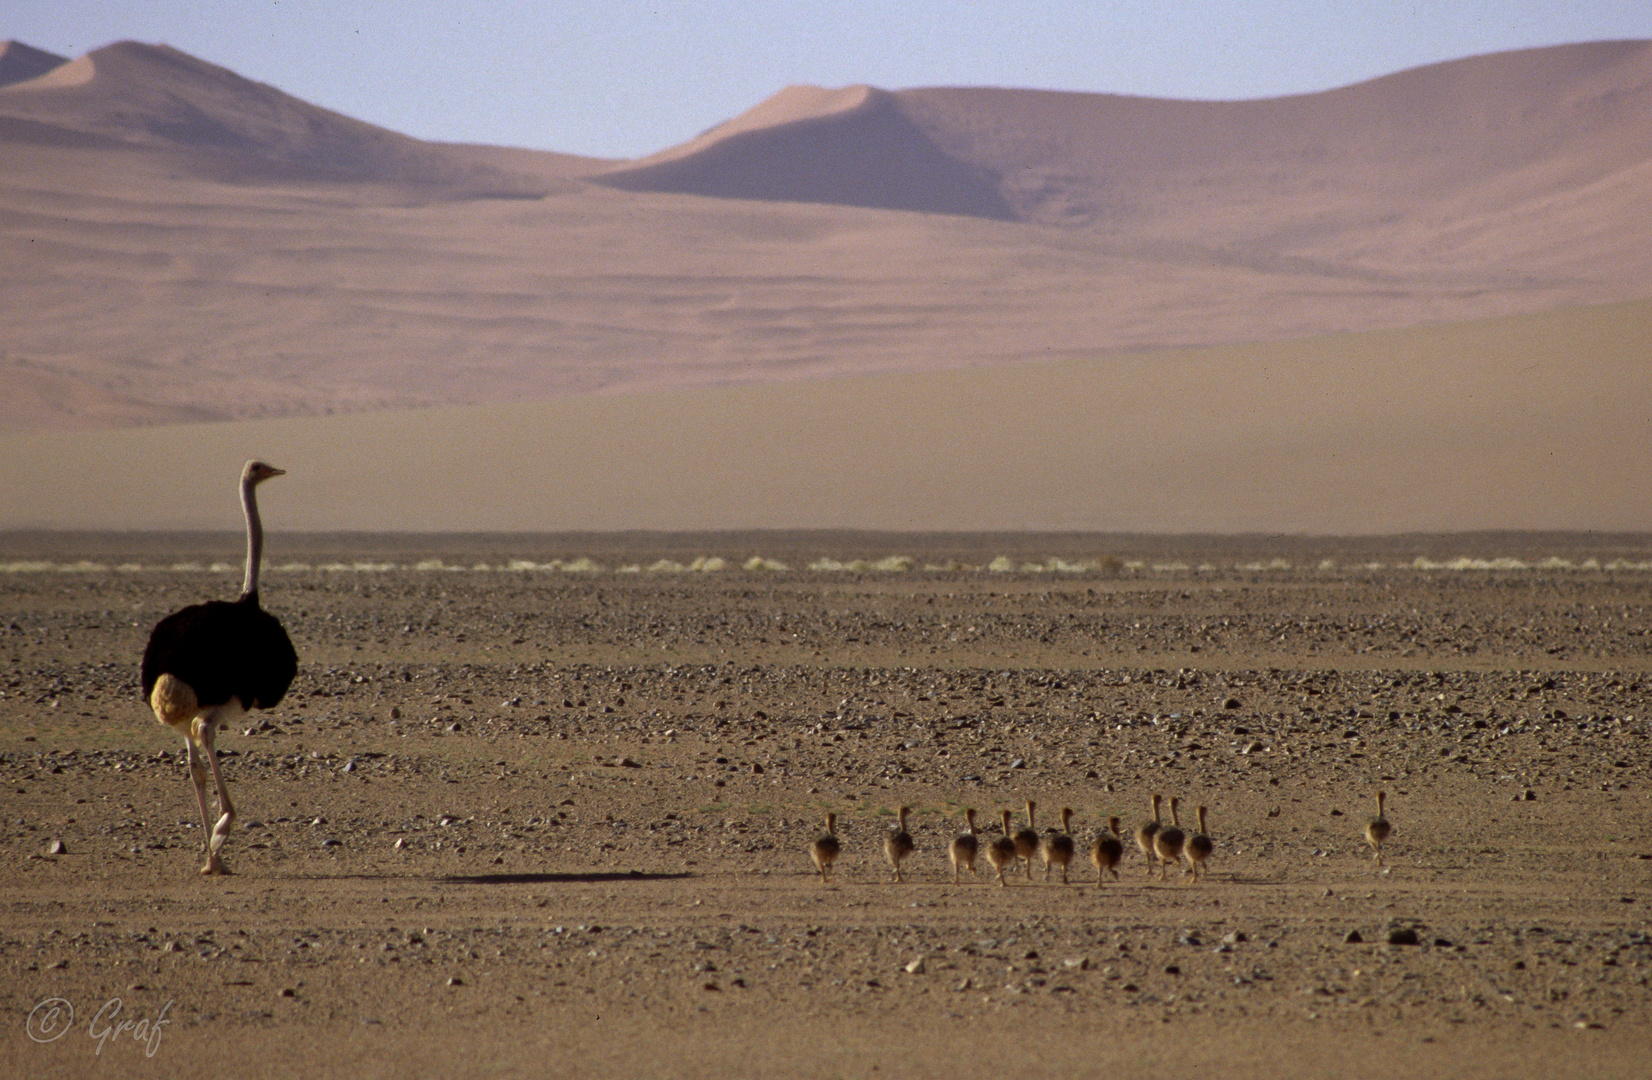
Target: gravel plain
x,y
553,822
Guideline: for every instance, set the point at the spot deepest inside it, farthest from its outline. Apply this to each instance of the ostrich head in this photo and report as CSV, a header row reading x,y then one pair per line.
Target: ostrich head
x,y
256,472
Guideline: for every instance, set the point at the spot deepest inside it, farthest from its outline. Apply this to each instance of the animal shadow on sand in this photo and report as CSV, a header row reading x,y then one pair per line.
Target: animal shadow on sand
x,y
594,878
590,878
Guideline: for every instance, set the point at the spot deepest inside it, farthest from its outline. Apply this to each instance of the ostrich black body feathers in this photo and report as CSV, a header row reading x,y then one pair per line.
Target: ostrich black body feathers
x,y
223,649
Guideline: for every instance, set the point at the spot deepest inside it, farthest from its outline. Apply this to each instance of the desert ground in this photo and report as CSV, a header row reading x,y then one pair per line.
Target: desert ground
x,y
555,821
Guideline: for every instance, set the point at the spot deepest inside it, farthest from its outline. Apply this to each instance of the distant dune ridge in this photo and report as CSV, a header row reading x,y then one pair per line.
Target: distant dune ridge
x,y
186,246
19,62
854,147
153,97
1531,121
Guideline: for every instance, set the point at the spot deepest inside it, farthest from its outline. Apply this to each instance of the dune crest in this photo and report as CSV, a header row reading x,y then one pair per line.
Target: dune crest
x,y
1526,123
20,62
154,97
852,147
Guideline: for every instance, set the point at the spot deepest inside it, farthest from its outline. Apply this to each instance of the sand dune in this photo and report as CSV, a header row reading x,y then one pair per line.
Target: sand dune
x,y
346,269
1524,422
1535,119
854,147
19,62
154,97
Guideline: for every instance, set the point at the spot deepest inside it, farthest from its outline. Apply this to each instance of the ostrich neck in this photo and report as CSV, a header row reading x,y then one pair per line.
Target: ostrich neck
x,y
255,539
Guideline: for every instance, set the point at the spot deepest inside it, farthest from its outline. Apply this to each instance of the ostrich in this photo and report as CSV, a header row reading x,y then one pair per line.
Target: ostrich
x,y
1170,841
1058,848
1027,841
898,844
1107,851
1199,848
964,847
207,664
1001,852
824,851
1146,831
1377,829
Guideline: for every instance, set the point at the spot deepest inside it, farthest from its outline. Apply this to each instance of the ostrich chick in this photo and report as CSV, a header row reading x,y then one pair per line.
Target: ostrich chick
x,y
1058,847
898,845
1377,829
964,847
1169,842
1027,840
1199,848
1145,832
824,851
1001,852
1108,851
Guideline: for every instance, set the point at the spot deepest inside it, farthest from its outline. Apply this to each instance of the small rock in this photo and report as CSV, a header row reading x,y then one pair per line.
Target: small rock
x,y
1234,937
1403,935
288,992
916,967
1018,764
56,847
1082,963
1531,796
454,980
1232,703
1353,937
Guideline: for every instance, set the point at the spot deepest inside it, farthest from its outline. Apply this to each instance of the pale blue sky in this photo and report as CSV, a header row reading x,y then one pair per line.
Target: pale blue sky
x,y
620,78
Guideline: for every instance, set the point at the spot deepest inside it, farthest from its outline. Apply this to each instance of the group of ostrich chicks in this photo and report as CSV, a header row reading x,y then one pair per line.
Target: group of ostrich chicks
x,y
1165,844
207,665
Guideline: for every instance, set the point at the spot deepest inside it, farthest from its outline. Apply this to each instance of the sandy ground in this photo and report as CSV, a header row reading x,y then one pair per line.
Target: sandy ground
x,y
544,823
1520,422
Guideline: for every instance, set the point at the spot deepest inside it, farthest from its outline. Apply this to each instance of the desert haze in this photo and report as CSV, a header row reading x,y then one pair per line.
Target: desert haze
x,y
187,247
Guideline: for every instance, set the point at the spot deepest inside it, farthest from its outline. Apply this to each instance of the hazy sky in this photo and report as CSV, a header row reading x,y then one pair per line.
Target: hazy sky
x,y
618,78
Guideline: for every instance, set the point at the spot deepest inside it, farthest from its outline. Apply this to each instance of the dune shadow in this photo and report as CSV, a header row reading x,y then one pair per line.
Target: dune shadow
x,y
556,879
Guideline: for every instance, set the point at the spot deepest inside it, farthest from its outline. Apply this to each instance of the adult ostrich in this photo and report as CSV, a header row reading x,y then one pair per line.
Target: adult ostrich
x,y
207,664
